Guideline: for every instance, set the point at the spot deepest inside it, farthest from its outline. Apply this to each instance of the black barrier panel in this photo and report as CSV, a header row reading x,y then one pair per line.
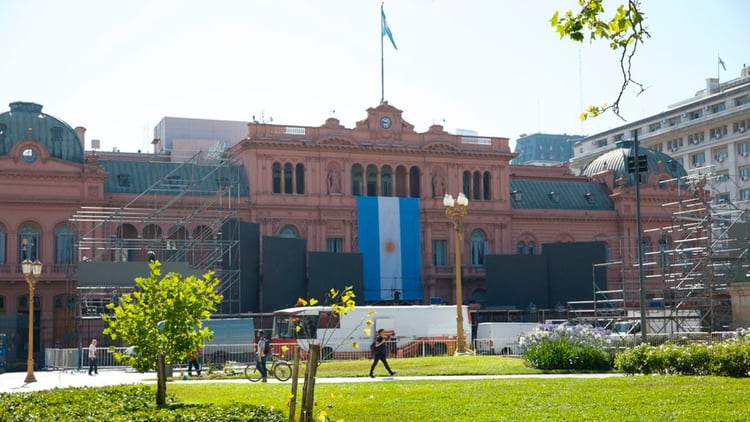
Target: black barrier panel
x,y
284,273
123,274
516,281
329,270
570,267
245,259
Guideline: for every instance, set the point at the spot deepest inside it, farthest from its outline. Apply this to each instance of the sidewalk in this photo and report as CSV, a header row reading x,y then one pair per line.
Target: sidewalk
x,y
13,382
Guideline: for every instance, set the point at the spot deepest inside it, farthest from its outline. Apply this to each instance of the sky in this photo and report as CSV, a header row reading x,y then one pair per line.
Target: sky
x,y
496,67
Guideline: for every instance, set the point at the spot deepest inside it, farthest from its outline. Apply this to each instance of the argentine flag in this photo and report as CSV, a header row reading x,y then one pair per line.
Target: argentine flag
x,y
389,241
384,29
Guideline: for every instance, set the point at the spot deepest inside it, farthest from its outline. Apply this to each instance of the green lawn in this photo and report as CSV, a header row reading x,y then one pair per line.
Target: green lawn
x,y
632,398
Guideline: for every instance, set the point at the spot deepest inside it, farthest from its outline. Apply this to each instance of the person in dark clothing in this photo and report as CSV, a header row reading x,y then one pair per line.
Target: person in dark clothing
x,y
380,352
194,363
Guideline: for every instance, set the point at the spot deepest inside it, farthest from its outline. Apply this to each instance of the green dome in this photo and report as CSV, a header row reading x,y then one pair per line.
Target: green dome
x,y
57,136
617,161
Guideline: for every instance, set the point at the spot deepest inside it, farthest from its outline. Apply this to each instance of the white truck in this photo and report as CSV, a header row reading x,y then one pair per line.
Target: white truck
x,y
418,330
501,338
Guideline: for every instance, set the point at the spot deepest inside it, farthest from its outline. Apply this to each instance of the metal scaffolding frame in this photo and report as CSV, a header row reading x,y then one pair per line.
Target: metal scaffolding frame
x,y
192,210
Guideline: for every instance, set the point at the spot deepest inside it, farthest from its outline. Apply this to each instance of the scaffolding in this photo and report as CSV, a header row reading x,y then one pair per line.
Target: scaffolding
x,y
687,276
180,218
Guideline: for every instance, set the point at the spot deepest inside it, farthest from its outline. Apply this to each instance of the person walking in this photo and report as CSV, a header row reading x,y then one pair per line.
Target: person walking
x,y
93,367
379,353
260,351
193,362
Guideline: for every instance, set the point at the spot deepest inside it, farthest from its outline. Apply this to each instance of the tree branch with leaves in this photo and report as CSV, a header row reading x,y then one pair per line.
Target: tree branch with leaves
x,y
624,31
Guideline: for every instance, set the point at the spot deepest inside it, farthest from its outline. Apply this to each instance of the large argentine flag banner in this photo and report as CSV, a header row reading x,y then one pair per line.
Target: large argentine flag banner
x,y
389,240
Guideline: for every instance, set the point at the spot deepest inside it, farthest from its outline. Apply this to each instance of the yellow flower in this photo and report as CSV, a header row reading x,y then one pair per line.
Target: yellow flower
x,y
369,322
285,348
333,396
323,416
297,329
301,302
313,301
372,312
367,331
355,345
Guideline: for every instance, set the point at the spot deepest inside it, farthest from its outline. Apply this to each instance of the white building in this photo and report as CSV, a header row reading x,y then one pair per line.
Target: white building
x,y
707,134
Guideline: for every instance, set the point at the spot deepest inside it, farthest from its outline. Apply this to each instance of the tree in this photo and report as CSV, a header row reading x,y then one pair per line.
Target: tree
x,y
161,321
624,31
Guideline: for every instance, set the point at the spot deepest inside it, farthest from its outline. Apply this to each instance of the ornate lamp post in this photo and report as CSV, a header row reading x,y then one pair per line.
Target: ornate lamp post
x,y
455,209
31,272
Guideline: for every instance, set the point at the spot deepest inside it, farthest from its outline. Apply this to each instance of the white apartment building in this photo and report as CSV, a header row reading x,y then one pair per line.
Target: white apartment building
x,y
708,134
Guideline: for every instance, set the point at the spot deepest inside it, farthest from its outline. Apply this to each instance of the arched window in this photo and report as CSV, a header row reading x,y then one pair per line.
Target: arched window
x,y
65,252
276,178
401,181
467,184
532,248
414,182
663,255
289,232
372,180
521,248
476,191
29,237
486,185
478,247
386,181
2,245
357,180
299,173
288,177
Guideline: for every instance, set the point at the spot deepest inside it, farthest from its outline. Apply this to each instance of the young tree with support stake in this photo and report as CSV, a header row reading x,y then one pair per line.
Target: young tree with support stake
x,y
161,320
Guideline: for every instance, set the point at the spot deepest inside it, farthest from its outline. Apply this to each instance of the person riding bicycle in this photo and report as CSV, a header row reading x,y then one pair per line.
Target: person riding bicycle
x,y
261,353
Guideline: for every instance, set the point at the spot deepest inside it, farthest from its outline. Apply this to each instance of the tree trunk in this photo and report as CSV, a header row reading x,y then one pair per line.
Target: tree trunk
x,y
295,381
308,394
161,381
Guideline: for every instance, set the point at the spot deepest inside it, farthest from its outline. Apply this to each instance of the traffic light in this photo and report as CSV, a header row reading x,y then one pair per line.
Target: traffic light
x,y
631,164
643,163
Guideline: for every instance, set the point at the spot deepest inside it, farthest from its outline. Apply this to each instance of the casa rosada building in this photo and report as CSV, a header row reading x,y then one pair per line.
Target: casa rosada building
x,y
67,206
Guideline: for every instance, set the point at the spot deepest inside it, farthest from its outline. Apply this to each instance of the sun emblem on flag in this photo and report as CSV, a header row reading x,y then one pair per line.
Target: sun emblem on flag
x,y
389,246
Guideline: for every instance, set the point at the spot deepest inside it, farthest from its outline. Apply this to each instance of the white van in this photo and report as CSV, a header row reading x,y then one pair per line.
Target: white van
x,y
501,338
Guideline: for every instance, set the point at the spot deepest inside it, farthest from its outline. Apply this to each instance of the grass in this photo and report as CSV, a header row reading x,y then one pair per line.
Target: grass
x,y
632,398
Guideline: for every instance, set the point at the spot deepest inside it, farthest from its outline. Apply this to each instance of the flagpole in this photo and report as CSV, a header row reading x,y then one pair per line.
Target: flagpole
x,y
382,62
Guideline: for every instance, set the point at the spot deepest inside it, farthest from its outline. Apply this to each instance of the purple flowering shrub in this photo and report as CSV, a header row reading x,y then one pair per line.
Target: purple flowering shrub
x,y
567,347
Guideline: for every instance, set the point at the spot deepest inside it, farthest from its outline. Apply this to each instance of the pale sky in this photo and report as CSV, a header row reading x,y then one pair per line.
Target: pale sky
x,y
493,66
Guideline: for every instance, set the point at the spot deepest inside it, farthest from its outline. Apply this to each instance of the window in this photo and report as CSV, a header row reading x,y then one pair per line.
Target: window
x,y
721,198
299,173
289,232
334,244
29,155
699,159
386,181
718,132
745,194
467,184
276,178
29,242
476,188
532,248
721,155
123,180
478,247
372,180
745,173
2,304
288,177
357,180
744,149
414,191
2,245
520,248
65,252
56,134
741,126
663,255
439,252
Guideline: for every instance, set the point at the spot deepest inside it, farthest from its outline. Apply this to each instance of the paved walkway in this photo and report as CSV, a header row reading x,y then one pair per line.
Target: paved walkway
x,y
47,380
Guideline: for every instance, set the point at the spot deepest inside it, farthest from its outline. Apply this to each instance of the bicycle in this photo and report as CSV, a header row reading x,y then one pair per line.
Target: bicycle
x,y
279,369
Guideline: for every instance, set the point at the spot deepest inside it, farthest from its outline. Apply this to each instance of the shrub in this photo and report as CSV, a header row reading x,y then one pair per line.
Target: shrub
x,y
567,347
730,357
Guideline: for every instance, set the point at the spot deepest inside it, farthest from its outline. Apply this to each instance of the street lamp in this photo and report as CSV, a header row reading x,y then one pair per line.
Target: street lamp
x,y
455,209
31,272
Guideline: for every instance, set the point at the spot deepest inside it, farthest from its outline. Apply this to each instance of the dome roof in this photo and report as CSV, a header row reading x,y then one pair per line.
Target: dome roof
x,y
26,120
617,161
